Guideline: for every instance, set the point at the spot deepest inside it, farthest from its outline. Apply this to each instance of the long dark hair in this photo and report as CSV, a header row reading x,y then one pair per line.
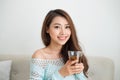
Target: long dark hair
x,y
72,44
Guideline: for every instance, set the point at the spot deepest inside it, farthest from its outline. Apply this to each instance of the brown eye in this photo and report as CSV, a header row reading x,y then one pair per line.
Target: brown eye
x,y
56,27
67,27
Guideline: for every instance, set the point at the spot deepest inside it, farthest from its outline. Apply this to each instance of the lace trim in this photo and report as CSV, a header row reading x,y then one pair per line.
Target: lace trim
x,y
44,62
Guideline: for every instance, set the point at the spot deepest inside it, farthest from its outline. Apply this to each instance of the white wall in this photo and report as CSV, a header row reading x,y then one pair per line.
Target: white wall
x,y
97,23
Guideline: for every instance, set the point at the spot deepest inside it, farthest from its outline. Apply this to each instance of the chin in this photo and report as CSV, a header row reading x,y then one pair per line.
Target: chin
x,y
62,43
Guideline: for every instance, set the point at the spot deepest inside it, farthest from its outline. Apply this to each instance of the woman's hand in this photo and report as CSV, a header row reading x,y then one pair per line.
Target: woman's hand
x,y
71,67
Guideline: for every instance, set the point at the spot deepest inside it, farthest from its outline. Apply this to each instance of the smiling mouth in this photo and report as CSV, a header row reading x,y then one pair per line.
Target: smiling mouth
x,y
62,38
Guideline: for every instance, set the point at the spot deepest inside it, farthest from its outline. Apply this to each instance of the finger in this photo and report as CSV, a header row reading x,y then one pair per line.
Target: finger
x,y
80,64
77,68
68,62
74,62
76,71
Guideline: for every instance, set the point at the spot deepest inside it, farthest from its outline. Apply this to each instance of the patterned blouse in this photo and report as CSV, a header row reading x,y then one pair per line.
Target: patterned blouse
x,y
47,69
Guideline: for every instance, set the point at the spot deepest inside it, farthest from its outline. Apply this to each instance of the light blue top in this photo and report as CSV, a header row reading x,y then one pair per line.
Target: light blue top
x,y
42,69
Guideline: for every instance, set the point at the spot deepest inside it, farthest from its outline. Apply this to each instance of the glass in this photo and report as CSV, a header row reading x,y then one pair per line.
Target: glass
x,y
75,55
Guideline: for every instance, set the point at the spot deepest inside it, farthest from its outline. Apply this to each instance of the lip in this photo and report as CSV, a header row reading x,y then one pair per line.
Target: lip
x,y
62,37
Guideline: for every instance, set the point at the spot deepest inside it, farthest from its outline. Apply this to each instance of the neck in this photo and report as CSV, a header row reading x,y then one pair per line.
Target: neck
x,y
54,48
52,52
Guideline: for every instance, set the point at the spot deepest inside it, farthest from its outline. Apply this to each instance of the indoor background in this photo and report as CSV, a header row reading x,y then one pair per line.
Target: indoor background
x,y
97,23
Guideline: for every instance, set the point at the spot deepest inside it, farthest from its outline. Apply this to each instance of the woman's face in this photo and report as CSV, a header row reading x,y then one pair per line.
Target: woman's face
x,y
59,31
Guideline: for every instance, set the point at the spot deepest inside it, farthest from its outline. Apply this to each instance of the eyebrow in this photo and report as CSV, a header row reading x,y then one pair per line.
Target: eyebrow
x,y
59,24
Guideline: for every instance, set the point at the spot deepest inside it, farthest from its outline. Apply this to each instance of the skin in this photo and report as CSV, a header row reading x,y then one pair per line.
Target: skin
x,y
59,31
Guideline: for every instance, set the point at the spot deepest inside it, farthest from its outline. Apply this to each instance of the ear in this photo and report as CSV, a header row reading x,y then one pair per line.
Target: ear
x,y
47,30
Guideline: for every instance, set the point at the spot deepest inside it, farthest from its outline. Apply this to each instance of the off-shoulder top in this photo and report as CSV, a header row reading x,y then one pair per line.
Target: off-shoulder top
x,y
47,69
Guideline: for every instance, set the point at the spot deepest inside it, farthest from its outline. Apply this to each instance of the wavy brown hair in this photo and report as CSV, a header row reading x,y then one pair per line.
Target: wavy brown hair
x,y
72,44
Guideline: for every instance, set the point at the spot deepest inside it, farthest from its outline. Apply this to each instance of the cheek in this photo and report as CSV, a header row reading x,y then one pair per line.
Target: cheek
x,y
69,32
53,33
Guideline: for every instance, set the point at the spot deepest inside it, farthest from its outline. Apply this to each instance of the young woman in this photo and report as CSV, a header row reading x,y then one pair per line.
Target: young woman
x,y
52,62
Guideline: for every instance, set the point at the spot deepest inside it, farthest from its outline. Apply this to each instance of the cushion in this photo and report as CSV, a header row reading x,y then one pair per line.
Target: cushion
x,y
5,67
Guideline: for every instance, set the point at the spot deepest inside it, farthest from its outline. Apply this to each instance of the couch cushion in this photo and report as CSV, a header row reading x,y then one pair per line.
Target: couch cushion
x,y
100,68
20,66
5,67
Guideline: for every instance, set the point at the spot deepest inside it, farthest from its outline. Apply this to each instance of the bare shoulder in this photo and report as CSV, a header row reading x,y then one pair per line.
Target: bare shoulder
x,y
38,53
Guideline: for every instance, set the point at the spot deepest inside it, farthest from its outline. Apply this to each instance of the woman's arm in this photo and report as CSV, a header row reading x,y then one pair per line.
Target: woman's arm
x,y
36,72
81,76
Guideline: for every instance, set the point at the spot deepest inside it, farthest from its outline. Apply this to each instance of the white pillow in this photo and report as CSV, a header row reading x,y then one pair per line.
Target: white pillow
x,y
5,67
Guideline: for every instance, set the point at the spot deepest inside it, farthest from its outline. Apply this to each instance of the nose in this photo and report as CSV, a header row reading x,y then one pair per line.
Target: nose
x,y
62,32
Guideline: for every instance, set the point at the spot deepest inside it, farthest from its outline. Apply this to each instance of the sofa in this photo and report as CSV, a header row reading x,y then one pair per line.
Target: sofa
x,y
100,68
